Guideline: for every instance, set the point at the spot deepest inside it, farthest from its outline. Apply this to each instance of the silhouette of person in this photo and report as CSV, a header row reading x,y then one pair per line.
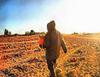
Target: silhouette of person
x,y
53,40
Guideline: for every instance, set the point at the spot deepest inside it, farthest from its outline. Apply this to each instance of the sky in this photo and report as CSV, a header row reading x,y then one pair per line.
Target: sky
x,y
19,16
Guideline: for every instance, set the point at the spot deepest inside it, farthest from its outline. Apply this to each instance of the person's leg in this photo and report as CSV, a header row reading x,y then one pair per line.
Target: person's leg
x,y
50,67
54,62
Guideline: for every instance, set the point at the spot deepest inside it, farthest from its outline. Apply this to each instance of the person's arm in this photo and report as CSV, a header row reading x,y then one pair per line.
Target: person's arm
x,y
46,41
63,45
44,44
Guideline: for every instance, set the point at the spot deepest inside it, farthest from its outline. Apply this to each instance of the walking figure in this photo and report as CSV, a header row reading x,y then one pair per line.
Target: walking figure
x,y
53,40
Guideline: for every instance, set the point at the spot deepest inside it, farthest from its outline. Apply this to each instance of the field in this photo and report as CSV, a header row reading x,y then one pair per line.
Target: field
x,y
20,56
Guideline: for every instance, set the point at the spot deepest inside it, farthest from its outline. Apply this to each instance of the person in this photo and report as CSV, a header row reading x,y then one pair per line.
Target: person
x,y
53,40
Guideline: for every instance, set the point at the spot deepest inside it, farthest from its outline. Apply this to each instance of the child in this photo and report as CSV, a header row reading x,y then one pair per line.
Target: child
x,y
52,42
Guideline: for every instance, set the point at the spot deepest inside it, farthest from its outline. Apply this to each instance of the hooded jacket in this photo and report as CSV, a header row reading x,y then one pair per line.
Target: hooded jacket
x,y
53,42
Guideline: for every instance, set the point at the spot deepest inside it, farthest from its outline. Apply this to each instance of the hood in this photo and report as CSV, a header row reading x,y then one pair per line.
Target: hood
x,y
51,26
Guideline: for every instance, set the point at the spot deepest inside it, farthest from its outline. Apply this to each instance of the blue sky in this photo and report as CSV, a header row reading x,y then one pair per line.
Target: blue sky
x,y
71,16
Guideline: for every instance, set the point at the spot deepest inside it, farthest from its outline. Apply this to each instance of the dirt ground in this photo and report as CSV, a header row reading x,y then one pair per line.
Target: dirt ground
x,y
21,56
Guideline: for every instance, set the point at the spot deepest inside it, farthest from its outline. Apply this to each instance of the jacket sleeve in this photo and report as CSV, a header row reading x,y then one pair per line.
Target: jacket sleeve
x,y
63,45
44,44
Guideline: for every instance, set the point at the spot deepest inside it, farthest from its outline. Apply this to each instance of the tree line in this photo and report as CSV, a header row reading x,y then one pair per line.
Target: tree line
x,y
8,33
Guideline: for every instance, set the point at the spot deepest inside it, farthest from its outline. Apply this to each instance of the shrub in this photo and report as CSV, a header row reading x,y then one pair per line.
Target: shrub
x,y
27,33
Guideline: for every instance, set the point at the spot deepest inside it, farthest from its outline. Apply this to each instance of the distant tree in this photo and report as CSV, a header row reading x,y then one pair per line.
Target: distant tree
x,y
15,34
27,33
32,32
42,32
9,33
75,33
6,32
86,33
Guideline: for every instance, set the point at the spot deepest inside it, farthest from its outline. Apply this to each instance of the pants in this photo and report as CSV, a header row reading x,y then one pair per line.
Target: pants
x,y
50,64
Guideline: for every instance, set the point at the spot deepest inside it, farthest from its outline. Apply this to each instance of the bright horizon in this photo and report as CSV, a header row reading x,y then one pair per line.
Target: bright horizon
x,y
70,16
